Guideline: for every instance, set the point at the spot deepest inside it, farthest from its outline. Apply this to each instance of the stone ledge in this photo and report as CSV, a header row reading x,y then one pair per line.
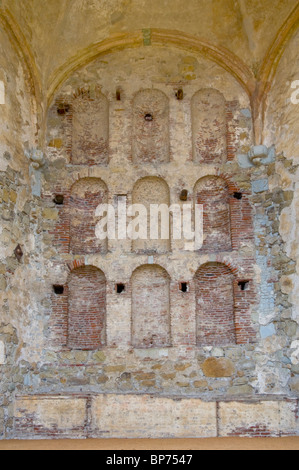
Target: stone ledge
x,y
146,416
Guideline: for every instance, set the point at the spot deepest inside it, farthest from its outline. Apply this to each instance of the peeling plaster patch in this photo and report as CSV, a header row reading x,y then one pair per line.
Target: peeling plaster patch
x,y
267,300
295,354
246,112
35,182
152,354
272,379
2,93
2,353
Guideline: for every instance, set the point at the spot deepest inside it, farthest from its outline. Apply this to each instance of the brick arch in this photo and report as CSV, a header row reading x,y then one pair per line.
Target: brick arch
x,y
213,193
83,173
86,308
151,139
215,305
147,191
85,196
209,127
151,320
90,128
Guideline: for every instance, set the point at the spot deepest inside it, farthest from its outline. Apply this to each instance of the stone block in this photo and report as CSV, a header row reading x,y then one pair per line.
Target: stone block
x,y
152,417
214,367
249,420
51,417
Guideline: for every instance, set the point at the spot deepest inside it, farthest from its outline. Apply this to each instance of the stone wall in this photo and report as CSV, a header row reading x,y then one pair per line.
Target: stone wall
x,y
151,417
282,129
17,220
91,330
155,348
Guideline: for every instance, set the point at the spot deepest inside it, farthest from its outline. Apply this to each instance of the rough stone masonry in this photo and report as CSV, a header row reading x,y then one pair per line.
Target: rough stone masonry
x,y
184,344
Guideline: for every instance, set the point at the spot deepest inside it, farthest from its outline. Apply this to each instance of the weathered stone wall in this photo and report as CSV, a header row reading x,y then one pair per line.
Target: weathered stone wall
x,y
17,129
73,381
151,417
282,130
170,360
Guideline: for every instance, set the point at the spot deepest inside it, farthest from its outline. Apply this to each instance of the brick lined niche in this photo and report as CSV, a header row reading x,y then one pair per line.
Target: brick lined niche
x,y
149,191
213,193
86,309
85,197
151,307
215,305
151,141
210,128
90,128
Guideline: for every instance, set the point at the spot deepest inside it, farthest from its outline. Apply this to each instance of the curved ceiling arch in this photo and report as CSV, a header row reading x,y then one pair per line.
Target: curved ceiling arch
x,y
269,68
154,37
23,51
278,47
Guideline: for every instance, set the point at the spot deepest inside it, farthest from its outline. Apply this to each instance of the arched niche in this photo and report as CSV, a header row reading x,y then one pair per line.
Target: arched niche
x,y
151,326
151,191
90,128
86,309
150,140
209,127
86,195
213,193
215,305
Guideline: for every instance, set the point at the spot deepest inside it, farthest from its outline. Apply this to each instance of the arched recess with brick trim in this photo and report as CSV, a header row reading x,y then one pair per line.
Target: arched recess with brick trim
x,y
213,193
86,309
151,320
215,305
209,127
148,191
90,128
151,139
86,195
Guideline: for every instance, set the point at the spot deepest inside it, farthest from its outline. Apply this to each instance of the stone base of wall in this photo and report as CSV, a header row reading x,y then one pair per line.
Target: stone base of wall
x,y
145,416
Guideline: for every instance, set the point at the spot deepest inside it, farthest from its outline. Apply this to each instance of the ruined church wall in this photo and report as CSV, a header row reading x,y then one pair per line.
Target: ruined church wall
x,y
61,386
282,129
17,137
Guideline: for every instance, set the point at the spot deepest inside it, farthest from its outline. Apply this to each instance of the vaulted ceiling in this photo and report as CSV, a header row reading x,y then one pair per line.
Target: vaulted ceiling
x,y
247,37
56,30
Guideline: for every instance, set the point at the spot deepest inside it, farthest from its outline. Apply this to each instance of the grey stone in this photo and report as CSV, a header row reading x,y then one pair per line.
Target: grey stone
x,y
267,331
260,186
